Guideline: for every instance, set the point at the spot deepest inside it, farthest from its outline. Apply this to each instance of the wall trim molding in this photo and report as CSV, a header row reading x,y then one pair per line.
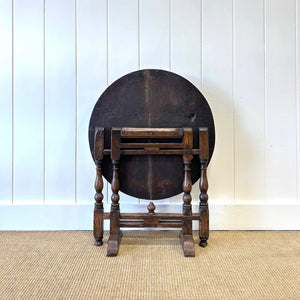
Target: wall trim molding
x,y
79,217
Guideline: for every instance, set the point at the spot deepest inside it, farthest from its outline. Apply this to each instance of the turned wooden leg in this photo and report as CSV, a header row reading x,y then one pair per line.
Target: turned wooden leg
x,y
204,212
115,235
186,235
114,238
203,185
98,210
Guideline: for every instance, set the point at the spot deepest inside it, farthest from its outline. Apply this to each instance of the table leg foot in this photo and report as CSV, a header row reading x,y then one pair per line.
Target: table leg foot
x,y
98,242
113,244
188,245
203,243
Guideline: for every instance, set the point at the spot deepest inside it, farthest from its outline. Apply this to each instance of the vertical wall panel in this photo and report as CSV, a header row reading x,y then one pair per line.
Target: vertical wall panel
x,y
60,102
186,40
249,105
217,88
28,101
91,82
122,38
280,102
154,34
6,102
298,91
123,49
186,51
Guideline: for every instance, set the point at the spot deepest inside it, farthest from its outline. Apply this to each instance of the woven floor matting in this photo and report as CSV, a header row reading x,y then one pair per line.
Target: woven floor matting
x,y
150,265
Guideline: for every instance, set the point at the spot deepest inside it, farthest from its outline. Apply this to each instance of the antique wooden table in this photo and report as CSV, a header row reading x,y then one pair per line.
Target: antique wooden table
x,y
151,135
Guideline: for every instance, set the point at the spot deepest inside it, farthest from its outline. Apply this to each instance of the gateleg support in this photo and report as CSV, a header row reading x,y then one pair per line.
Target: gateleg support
x,y
115,233
98,209
186,235
203,185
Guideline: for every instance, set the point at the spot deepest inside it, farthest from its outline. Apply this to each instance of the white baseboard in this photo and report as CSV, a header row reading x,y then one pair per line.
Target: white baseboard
x,y
80,217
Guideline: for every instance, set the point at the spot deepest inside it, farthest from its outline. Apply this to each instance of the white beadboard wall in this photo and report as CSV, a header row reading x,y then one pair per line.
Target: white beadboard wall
x,y
58,56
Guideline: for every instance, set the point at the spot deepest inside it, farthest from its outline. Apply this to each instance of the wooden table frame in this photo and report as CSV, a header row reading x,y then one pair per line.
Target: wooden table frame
x,y
120,147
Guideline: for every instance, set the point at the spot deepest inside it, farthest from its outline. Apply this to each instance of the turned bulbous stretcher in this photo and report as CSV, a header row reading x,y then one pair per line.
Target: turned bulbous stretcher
x,y
151,135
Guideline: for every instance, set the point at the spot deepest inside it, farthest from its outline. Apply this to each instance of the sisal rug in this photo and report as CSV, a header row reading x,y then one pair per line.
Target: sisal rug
x,y
150,265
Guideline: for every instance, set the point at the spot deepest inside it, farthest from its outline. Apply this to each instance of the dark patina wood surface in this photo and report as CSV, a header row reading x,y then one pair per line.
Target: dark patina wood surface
x,y
151,99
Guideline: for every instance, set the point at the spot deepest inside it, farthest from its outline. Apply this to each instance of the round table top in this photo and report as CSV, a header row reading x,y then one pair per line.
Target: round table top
x,y
152,99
